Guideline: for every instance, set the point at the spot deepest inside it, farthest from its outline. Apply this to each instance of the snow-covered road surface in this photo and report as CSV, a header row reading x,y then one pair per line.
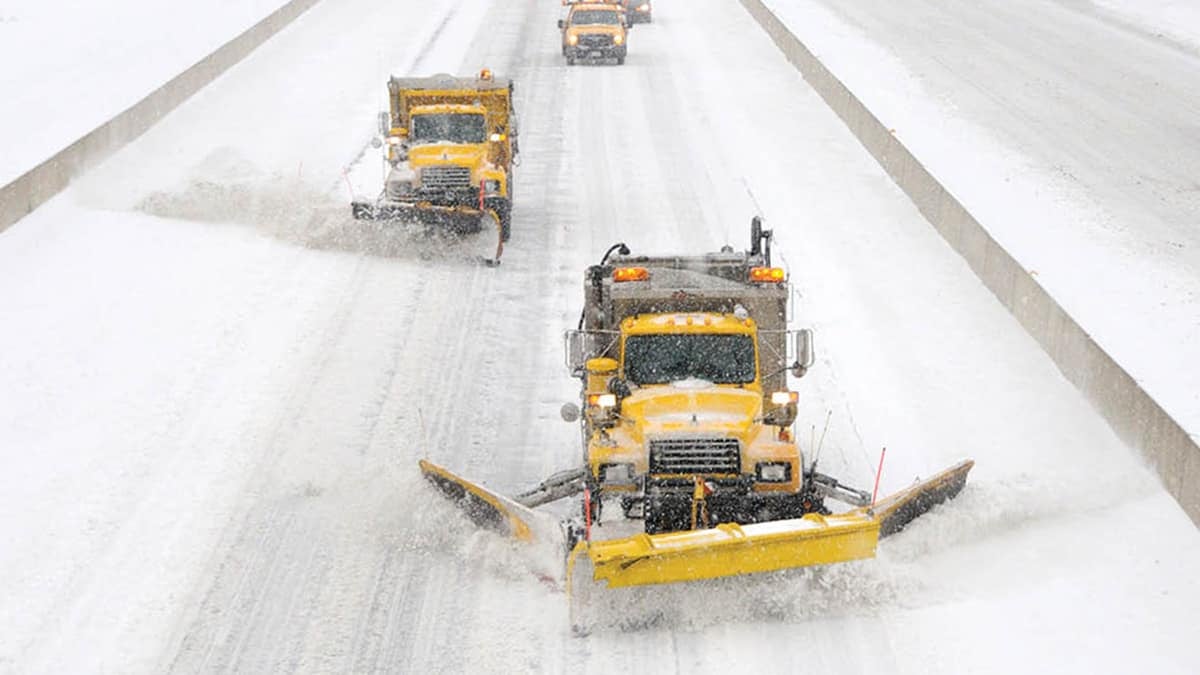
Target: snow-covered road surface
x,y
212,409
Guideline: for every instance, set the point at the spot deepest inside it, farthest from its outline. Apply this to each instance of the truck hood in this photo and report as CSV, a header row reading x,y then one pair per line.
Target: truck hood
x,y
433,154
685,408
595,29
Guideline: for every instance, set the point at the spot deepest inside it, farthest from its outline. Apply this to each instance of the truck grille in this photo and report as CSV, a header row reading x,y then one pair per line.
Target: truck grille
x,y
695,455
446,177
595,41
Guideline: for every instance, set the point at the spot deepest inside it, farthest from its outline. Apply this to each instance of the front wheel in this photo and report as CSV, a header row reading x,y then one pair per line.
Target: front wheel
x,y
620,60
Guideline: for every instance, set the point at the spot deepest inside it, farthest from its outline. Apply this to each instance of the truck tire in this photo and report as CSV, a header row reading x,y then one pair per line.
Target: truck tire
x,y
570,60
620,60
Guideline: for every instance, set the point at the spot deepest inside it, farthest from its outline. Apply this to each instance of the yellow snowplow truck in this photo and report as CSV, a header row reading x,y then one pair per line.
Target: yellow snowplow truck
x,y
687,425
450,143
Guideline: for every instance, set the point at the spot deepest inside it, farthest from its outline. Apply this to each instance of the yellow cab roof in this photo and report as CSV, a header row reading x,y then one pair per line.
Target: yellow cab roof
x,y
606,6
447,108
686,322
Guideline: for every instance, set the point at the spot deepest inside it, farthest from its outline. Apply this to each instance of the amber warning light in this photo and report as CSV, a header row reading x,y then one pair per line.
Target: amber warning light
x,y
769,275
631,274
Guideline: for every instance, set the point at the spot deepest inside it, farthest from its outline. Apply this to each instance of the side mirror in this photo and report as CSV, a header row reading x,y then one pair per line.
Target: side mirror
x,y
561,24
376,142
385,123
804,352
569,412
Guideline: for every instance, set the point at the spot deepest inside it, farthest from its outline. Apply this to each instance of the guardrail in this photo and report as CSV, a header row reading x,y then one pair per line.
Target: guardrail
x,y
33,188
1133,414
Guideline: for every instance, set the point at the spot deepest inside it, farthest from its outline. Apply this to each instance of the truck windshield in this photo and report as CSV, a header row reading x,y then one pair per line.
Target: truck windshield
x,y
659,359
449,127
586,17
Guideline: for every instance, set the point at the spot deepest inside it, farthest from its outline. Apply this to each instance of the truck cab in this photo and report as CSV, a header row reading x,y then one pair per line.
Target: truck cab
x,y
637,11
683,362
594,31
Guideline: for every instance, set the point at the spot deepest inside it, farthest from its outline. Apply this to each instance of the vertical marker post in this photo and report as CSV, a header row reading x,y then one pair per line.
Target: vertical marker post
x,y
587,514
878,473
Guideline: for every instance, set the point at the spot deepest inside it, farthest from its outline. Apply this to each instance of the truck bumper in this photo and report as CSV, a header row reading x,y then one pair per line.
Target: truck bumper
x,y
582,53
668,504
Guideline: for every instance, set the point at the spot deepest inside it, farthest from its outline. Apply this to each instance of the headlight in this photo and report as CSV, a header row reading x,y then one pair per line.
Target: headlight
x,y
603,400
774,472
644,7
618,39
616,473
572,39
491,187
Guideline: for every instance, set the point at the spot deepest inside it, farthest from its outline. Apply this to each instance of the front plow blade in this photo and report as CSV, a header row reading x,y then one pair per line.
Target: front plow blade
x,y
726,550
469,230
731,550
898,510
484,507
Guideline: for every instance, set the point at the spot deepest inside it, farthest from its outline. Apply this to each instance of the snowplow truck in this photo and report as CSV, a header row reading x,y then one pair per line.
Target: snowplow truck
x,y
687,424
450,145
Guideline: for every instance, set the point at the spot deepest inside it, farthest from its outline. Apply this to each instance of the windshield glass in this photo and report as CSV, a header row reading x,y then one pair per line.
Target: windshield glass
x,y
595,16
659,359
449,127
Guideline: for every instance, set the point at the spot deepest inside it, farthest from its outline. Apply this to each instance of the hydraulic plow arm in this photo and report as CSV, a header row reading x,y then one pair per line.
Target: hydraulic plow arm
x,y
559,486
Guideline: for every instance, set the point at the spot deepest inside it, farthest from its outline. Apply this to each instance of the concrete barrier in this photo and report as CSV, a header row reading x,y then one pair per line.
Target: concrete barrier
x,y
1132,413
33,188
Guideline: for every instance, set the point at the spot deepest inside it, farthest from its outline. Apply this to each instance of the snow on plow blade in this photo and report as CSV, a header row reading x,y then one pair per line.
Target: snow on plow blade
x,y
726,550
475,231
484,507
731,550
426,213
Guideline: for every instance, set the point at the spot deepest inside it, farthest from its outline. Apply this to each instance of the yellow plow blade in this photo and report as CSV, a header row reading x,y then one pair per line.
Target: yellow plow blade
x,y
899,509
486,508
731,550
727,550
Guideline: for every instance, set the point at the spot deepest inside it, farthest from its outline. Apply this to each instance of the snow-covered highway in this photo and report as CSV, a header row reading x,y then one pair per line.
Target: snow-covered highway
x,y
211,405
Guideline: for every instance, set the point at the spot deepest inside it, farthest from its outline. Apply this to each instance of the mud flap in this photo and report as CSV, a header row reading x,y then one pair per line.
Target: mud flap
x,y
484,507
898,510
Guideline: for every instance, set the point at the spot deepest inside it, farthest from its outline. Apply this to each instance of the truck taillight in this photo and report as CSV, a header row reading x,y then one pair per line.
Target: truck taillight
x,y
631,274
767,275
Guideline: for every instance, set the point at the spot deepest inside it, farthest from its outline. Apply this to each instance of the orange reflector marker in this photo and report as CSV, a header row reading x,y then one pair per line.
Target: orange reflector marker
x,y
631,274
485,74
784,397
768,275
